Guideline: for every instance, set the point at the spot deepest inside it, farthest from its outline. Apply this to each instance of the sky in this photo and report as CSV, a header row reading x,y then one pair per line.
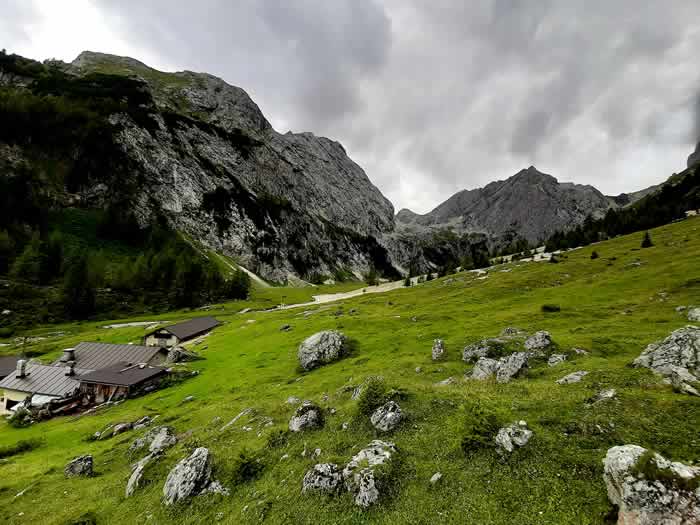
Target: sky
x,y
429,97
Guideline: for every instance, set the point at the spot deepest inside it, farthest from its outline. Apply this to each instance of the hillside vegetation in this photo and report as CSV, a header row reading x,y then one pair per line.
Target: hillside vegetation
x,y
613,306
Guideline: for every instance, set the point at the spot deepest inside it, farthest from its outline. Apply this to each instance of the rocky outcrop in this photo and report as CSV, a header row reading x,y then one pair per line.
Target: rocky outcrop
x,y
79,467
137,471
648,489
157,439
694,158
361,474
556,359
538,341
677,358
321,348
514,436
307,417
387,417
505,368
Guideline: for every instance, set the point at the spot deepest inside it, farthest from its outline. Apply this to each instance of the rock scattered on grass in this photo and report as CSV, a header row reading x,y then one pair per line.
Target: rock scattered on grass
x,y
438,351
677,358
324,477
157,439
505,368
292,400
321,348
603,395
137,471
387,417
538,341
446,382
648,489
514,436
307,417
435,478
79,467
556,359
574,377
579,351
694,314
285,328
191,477
120,428
360,473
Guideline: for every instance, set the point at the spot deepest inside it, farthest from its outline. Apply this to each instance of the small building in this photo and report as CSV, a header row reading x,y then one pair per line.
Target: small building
x,y
41,383
94,356
179,333
119,381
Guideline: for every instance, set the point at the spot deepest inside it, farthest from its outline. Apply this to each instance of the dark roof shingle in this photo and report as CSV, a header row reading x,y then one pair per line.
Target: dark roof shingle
x,y
44,379
101,355
122,374
190,328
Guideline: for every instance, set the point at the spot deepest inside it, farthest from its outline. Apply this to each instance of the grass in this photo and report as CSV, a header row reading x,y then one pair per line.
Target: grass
x,y
608,306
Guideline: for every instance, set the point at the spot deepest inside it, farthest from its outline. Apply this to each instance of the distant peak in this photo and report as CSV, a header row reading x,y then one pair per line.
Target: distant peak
x,y
90,58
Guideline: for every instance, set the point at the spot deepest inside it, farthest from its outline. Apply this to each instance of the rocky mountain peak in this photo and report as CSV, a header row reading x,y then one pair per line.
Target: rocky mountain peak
x,y
694,158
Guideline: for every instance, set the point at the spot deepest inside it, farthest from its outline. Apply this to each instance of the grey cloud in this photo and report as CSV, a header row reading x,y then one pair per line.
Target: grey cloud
x,y
15,14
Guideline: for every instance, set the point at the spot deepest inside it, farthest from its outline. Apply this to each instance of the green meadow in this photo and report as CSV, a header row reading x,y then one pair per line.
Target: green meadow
x,y
612,306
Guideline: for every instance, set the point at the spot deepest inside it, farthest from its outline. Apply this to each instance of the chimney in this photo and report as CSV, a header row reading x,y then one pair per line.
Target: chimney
x,y
21,368
70,368
68,355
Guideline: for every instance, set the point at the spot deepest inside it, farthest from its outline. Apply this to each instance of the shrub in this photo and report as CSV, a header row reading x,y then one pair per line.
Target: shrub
x,y
554,259
20,419
646,241
551,308
246,467
407,282
371,278
374,395
24,445
277,439
594,255
480,428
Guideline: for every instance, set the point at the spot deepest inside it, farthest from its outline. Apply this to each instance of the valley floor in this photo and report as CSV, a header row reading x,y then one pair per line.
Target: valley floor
x,y
612,306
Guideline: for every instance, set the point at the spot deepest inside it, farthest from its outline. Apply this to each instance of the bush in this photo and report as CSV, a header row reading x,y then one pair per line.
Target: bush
x,y
246,467
594,255
374,395
371,278
277,439
646,241
19,447
20,419
407,282
480,428
554,259
551,308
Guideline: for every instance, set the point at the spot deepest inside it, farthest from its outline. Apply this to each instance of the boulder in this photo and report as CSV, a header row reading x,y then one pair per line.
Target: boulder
x,y
603,395
556,359
143,422
189,477
360,474
387,417
324,477
476,351
484,368
435,478
677,358
438,349
694,314
511,366
512,436
137,471
321,348
648,489
120,428
538,341
80,466
574,377
307,417
446,382
293,400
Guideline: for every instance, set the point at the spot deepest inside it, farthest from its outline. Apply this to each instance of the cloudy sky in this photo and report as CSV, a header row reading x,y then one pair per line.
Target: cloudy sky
x,y
428,97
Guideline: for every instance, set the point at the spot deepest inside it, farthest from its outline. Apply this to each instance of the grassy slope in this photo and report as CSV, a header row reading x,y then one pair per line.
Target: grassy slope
x,y
608,306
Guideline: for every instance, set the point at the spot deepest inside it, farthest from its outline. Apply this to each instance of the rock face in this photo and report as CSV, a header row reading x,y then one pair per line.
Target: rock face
x,y
677,358
513,436
80,466
649,490
387,417
307,417
694,158
324,477
189,477
201,154
360,474
438,351
321,348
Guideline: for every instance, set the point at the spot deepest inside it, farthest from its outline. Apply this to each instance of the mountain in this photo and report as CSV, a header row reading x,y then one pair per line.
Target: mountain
x,y
694,157
530,204
197,154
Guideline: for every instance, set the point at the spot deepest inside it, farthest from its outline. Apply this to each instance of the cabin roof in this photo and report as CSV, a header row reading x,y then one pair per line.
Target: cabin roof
x,y
94,356
122,374
188,329
44,379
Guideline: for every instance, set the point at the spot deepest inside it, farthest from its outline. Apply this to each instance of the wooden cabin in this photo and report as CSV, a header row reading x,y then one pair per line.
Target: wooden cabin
x,y
176,334
119,381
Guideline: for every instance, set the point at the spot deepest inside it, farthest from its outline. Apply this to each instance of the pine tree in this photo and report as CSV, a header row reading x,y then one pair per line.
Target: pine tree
x,y
646,241
78,295
28,265
407,282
